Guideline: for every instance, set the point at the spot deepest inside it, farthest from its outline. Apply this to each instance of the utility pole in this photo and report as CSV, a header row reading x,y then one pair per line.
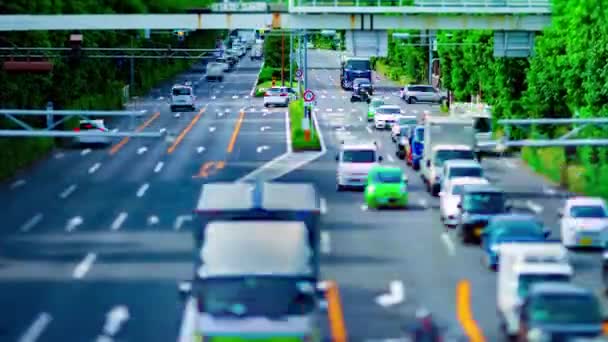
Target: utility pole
x,y
430,34
305,60
290,59
132,72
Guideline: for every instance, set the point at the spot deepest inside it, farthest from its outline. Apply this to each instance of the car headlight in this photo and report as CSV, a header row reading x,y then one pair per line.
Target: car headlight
x,y
537,335
371,188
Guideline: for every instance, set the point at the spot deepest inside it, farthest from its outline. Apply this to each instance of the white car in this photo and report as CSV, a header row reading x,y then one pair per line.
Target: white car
x,y
403,122
354,163
386,116
182,97
457,168
279,96
92,126
450,197
584,222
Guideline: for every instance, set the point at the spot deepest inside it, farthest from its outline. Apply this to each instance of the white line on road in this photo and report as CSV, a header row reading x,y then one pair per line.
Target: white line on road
x,y
180,220
550,191
340,109
323,96
325,242
59,155
120,219
67,192
220,114
323,205
510,164
364,207
537,208
142,190
390,158
27,226
152,220
212,129
234,97
94,168
227,110
84,266
142,150
264,128
369,130
37,328
158,167
162,130
333,96
187,329
115,318
260,149
200,149
353,110
246,97
213,97
423,203
18,183
73,223
361,119
85,152
177,115
395,295
449,244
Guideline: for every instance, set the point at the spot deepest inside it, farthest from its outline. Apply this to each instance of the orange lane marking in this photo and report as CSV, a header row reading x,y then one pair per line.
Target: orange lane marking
x,y
605,328
235,133
125,140
181,136
204,171
465,315
335,314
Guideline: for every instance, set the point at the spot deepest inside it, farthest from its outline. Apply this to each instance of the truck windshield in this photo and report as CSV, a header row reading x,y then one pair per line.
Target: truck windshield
x,y
466,172
443,155
419,134
484,203
362,156
181,91
272,297
565,309
358,65
588,211
526,280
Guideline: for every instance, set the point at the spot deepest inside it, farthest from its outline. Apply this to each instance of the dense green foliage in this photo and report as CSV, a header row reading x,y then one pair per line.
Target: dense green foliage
x,y
298,138
568,74
84,83
406,62
276,63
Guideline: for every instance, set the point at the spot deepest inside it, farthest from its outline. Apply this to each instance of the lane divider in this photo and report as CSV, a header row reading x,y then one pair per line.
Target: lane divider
x,y
464,312
335,313
235,133
186,130
125,140
208,168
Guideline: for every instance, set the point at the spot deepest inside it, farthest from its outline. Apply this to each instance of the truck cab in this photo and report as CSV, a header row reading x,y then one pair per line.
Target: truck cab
x,y
353,68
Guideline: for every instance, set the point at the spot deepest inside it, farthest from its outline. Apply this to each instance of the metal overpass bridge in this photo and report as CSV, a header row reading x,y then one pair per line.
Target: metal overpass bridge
x,y
499,15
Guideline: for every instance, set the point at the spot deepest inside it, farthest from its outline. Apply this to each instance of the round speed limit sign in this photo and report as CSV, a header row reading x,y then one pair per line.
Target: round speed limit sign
x,y
299,73
309,96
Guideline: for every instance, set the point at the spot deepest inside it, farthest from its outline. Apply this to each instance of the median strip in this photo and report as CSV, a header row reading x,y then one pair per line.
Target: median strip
x,y
125,140
188,128
464,313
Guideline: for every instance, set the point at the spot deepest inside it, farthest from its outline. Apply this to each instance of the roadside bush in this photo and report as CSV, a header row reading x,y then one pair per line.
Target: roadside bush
x,y
298,141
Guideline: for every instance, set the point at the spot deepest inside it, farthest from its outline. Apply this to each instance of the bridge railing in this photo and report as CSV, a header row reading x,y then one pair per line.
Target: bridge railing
x,y
484,3
423,6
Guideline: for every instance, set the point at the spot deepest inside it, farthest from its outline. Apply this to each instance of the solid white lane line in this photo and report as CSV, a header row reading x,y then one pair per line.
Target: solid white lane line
x,y
180,220
323,205
325,242
142,150
27,226
67,192
84,266
537,208
35,330
142,190
94,168
120,219
369,130
73,223
158,167
448,243
85,152
18,183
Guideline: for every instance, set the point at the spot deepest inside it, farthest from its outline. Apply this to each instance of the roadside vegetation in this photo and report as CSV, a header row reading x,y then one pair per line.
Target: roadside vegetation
x,y
276,64
298,138
84,83
566,77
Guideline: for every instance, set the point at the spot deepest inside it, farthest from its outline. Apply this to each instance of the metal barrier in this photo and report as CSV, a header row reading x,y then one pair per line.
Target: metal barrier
x,y
423,6
484,3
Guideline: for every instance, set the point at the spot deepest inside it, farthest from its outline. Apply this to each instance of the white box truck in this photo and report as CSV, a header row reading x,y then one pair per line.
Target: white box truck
x,y
445,138
521,265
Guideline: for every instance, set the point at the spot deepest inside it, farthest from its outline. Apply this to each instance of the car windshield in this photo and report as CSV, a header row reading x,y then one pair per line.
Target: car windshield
x,y
526,280
361,156
389,110
484,202
390,177
274,90
588,211
407,121
419,134
256,296
457,190
466,172
517,230
181,91
565,309
443,155
377,103
483,125
358,65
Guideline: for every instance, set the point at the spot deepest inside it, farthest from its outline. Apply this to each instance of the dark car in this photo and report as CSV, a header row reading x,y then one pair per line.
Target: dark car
x,y
480,202
362,90
558,311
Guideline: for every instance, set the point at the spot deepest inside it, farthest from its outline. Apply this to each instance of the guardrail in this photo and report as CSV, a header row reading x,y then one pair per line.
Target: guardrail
x,y
484,3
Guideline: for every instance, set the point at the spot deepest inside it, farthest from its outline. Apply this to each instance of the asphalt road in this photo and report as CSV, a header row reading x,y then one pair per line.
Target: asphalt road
x,y
89,234
88,231
372,249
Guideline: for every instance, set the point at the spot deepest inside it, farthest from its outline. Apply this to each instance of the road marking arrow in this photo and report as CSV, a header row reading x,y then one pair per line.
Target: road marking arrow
x,y
265,128
395,296
260,149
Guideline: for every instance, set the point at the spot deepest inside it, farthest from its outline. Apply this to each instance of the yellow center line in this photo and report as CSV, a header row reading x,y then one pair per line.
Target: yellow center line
x,y
204,171
335,314
465,315
125,140
183,133
235,133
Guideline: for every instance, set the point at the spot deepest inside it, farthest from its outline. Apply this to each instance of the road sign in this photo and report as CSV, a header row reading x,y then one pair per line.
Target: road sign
x,y
299,73
309,96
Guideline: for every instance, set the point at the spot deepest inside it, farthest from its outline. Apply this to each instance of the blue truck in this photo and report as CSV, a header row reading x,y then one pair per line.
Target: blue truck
x,y
352,68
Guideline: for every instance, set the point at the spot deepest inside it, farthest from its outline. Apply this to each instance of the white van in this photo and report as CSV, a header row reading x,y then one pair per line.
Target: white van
x,y
521,265
182,97
354,163
215,71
